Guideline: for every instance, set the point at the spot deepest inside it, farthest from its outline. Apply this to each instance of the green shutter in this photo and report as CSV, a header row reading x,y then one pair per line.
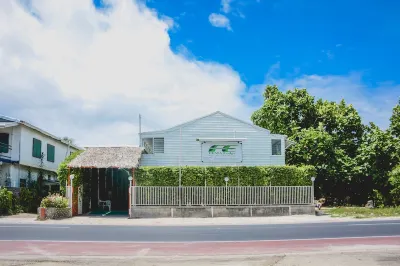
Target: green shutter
x,y
37,148
50,153
4,142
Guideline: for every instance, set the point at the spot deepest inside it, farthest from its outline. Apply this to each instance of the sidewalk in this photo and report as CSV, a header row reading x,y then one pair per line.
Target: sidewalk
x,y
124,221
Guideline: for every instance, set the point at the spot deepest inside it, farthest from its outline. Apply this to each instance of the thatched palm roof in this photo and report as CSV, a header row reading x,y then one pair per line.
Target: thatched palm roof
x,y
108,157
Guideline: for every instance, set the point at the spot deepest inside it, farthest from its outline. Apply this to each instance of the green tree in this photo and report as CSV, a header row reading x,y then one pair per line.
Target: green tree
x,y
285,113
327,135
394,180
377,156
395,121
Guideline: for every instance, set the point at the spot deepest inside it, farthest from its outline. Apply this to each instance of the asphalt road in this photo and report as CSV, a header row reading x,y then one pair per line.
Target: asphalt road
x,y
198,233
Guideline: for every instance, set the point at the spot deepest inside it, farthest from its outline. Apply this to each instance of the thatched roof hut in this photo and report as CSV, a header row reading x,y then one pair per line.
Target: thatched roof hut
x,y
108,157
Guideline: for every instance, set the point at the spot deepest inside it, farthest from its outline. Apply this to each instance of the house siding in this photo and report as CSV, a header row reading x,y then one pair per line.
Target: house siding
x,y
21,140
256,148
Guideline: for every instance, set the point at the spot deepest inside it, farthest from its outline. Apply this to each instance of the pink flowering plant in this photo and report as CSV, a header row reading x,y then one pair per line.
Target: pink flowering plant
x,y
54,201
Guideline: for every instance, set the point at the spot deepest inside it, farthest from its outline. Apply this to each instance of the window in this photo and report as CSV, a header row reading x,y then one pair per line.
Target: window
x,y
276,147
158,145
50,153
4,142
37,148
22,182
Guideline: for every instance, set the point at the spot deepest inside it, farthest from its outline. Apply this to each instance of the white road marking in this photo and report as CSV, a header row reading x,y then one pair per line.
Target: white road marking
x,y
31,226
194,242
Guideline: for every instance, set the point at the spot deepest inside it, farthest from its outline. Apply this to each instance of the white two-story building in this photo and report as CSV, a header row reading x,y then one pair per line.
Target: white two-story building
x,y
25,150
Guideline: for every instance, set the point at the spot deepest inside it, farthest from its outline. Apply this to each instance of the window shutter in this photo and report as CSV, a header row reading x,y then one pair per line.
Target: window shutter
x,y
37,148
50,153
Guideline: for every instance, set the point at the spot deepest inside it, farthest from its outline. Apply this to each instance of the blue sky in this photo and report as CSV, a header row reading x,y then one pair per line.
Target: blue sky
x,y
305,36
176,60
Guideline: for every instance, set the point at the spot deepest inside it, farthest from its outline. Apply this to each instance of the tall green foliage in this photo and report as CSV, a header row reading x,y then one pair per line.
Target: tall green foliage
x,y
214,176
327,135
6,201
378,154
394,180
395,121
62,172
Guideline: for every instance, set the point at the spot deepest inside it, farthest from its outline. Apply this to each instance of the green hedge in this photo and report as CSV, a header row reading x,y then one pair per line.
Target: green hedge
x,y
214,176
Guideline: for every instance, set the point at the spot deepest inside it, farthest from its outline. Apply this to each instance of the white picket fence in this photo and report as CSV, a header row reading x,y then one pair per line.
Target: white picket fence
x,y
221,196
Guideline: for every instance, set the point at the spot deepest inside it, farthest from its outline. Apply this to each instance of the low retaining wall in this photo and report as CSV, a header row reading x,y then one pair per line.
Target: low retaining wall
x,y
54,213
219,211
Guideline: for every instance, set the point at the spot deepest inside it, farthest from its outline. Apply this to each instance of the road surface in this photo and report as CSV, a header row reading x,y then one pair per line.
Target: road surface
x,y
99,240
198,233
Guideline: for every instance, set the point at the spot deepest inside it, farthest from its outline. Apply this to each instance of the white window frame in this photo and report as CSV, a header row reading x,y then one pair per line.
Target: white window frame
x,y
282,151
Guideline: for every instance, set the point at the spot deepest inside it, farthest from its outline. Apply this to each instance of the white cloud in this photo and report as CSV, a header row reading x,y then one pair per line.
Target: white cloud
x,y
226,6
328,54
374,104
219,21
85,74
338,45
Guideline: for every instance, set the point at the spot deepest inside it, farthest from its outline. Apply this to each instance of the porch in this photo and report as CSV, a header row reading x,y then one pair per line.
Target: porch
x,y
103,176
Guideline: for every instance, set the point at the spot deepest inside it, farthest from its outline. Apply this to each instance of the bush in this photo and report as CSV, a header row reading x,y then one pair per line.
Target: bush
x,y
62,172
6,201
28,199
214,176
54,201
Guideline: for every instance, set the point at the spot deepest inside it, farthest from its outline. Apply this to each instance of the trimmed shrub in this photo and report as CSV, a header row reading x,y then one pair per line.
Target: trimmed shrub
x,y
6,201
54,201
214,176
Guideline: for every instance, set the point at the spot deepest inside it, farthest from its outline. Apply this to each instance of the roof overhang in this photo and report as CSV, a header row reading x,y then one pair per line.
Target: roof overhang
x,y
221,139
8,124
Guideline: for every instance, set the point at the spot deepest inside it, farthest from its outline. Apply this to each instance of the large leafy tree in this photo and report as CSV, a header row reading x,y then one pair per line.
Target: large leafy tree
x,y
395,121
327,135
377,156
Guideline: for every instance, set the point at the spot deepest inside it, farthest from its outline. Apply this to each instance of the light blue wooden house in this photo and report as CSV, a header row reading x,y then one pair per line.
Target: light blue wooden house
x,y
213,140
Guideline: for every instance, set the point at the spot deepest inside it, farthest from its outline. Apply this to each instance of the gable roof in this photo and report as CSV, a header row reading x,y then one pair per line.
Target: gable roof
x,y
9,121
108,157
212,114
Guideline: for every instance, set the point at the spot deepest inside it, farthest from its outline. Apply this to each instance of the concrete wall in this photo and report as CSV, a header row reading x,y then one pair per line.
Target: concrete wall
x,y
220,211
256,148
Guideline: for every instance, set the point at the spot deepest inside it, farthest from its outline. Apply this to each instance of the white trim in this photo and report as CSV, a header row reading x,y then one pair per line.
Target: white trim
x,y
37,167
17,121
222,139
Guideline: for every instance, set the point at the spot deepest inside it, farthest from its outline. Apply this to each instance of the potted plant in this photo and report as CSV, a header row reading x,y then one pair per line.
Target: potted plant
x,y
56,207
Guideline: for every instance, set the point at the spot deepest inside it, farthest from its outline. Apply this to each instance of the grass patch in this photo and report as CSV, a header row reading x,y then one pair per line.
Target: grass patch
x,y
361,212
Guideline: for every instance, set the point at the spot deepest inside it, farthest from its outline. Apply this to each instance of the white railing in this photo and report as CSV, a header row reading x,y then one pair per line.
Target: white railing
x,y
221,196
